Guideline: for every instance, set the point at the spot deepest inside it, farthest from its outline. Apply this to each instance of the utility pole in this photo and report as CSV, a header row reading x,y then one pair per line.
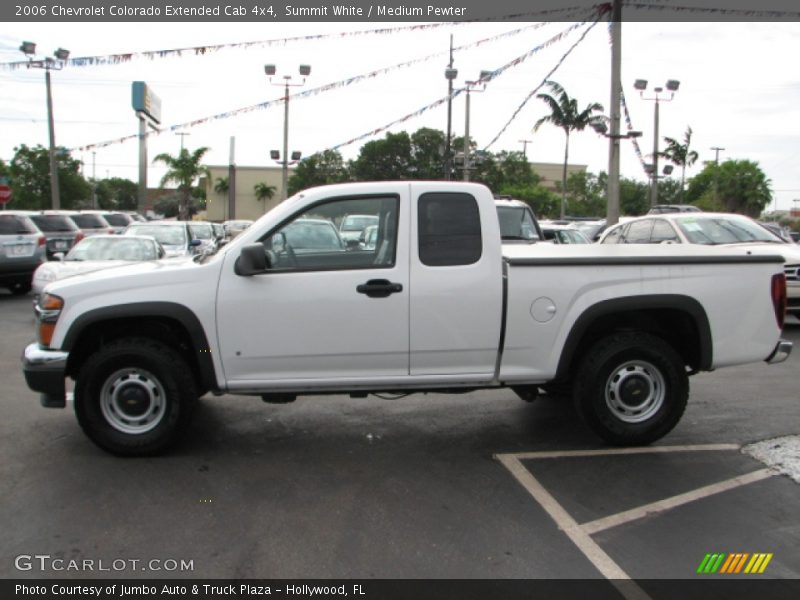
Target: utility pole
x,y
94,182
525,147
232,181
450,74
612,190
183,134
716,150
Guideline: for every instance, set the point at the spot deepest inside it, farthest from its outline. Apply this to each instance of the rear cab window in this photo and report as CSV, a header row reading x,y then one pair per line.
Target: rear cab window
x,y
449,229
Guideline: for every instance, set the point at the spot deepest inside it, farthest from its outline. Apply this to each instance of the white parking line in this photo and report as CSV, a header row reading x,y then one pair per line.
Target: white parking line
x,y
596,555
598,525
581,534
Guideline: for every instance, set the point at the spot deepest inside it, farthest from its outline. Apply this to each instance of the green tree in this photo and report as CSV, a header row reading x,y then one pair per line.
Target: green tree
x,y
183,169
30,179
427,153
586,194
564,113
503,170
737,186
543,202
322,168
221,185
117,193
264,192
634,197
681,156
389,158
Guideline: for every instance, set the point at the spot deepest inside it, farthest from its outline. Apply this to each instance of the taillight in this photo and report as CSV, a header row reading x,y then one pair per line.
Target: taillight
x,y
779,297
79,237
41,241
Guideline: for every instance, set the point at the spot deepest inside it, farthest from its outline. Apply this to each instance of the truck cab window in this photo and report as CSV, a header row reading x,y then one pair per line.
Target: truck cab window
x,y
449,229
329,236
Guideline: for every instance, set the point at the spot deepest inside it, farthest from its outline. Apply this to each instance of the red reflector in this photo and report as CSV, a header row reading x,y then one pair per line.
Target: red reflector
x,y
779,297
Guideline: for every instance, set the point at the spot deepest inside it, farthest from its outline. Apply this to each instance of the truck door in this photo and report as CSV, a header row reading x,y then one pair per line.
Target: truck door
x,y
329,309
456,283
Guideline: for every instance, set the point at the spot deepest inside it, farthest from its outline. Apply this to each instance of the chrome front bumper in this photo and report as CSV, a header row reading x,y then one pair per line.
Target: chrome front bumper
x,y
781,352
45,372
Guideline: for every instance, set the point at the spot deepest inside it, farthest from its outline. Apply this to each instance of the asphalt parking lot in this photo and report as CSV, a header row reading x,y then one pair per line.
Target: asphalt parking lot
x,y
479,485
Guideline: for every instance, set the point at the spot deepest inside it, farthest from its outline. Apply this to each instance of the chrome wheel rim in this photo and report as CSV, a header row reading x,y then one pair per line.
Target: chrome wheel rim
x,y
635,391
133,401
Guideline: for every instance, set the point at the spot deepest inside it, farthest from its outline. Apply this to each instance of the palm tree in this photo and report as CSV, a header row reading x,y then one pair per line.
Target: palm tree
x,y
221,186
183,170
680,155
264,191
564,113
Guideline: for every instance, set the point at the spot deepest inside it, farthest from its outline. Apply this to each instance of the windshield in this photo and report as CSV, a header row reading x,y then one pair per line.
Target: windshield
x,y
117,219
202,231
312,236
167,235
118,248
712,230
13,224
89,221
53,223
358,222
516,223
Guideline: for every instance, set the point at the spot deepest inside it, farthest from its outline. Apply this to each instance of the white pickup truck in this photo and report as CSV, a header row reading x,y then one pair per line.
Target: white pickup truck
x,y
438,303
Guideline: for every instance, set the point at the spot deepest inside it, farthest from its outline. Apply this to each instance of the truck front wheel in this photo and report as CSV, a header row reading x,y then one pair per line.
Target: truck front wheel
x,y
134,396
631,388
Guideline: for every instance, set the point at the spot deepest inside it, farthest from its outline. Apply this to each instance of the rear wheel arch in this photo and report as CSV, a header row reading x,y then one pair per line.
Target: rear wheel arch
x,y
679,320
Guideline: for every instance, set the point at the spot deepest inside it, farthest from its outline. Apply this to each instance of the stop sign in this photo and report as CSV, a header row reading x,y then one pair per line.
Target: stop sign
x,y
5,194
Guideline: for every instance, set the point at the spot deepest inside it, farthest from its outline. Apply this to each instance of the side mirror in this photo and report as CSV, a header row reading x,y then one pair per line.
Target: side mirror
x,y
194,243
251,261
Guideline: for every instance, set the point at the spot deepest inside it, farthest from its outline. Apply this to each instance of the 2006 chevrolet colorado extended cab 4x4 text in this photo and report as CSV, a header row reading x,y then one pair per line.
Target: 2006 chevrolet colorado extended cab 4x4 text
x,y
438,303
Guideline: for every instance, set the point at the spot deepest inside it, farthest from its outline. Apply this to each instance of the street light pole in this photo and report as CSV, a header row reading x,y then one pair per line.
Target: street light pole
x,y
672,87
29,49
304,70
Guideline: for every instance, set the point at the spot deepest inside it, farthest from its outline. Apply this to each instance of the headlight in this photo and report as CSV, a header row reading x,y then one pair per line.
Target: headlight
x,y
48,310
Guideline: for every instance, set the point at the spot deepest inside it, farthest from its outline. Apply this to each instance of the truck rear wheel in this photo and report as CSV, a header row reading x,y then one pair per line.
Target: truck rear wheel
x,y
134,396
631,388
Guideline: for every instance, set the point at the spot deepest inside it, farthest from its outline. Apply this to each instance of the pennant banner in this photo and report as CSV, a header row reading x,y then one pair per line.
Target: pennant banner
x,y
331,86
440,101
603,11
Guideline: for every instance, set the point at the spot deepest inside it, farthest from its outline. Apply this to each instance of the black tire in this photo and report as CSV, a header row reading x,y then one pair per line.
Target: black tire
x,y
134,396
20,288
614,376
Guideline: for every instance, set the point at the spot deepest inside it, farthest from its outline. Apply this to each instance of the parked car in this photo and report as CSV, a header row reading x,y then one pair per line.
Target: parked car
x,y
95,253
116,219
713,229
59,230
89,223
174,236
352,226
235,227
22,250
204,231
562,234
517,221
305,236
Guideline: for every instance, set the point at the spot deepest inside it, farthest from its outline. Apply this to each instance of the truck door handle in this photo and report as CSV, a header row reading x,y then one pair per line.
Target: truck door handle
x,y
379,288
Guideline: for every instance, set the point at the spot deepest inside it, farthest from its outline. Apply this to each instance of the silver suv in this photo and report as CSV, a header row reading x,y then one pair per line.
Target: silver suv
x,y
22,249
